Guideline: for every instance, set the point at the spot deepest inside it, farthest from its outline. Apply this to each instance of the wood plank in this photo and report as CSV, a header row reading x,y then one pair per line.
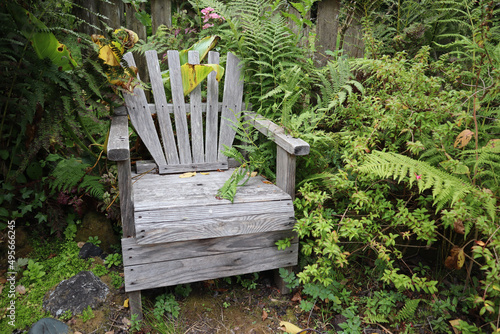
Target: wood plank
x,y
144,166
170,107
164,122
181,125
186,213
126,200
161,13
182,194
212,115
134,253
157,233
141,119
196,116
231,104
295,146
146,276
135,302
285,171
193,167
118,145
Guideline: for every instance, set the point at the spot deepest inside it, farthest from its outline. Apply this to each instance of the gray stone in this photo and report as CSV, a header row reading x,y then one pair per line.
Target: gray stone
x,y
89,250
76,294
49,326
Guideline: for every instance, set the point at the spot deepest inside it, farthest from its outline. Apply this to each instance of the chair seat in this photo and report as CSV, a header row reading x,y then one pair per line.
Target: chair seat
x,y
184,233
170,208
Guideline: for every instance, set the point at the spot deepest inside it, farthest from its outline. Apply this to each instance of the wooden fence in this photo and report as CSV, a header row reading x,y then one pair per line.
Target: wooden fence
x,y
117,14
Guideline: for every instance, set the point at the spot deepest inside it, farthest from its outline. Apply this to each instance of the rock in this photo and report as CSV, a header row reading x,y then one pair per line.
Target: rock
x,y
89,250
49,326
95,224
76,294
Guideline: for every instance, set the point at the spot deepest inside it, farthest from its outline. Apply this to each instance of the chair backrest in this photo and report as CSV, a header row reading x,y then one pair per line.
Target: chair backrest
x,y
181,147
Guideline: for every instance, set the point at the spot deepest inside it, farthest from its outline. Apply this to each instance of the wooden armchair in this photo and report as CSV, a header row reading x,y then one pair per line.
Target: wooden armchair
x,y
175,230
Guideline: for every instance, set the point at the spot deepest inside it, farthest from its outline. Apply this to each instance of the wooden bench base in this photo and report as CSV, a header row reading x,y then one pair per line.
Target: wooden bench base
x,y
159,265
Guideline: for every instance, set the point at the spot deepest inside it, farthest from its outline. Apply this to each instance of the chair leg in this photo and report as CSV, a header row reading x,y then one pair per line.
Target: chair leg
x,y
280,283
135,303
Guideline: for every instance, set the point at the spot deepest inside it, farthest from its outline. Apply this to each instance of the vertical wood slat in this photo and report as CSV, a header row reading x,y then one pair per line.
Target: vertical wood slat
x,y
285,171
141,119
126,199
212,115
164,122
161,13
231,104
181,126
196,115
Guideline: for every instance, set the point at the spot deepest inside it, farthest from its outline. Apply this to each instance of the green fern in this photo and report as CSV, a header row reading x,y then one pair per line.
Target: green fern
x,y
408,311
446,188
375,318
70,173
335,83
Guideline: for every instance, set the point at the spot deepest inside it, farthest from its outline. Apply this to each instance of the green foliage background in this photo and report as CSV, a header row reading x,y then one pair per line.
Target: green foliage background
x,y
389,189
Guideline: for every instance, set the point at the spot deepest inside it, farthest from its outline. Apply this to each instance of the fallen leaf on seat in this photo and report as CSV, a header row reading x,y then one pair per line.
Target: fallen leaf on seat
x,y
253,174
267,182
289,328
205,173
189,174
125,303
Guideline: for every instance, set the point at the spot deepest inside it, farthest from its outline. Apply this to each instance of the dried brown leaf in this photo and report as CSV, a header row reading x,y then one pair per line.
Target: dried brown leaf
x,y
463,139
458,225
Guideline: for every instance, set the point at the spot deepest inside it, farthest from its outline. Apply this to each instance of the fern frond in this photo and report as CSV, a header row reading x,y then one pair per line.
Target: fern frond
x,y
446,188
67,174
408,311
93,186
375,318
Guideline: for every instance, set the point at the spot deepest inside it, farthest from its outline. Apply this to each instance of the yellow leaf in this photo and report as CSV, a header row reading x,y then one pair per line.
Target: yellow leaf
x,y
460,259
205,173
189,174
289,328
254,174
455,323
463,138
193,75
125,303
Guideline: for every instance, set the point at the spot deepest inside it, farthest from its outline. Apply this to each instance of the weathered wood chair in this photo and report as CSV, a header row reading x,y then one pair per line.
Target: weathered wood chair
x,y
175,230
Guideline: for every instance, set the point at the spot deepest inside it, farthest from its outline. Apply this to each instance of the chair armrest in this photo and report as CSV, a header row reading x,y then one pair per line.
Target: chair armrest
x,y
118,146
294,146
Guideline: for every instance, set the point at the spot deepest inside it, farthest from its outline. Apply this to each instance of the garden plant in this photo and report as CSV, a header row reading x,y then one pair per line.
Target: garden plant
x,y
397,203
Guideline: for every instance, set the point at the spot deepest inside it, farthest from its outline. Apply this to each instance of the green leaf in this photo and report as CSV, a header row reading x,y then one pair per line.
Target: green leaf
x,y
43,41
202,46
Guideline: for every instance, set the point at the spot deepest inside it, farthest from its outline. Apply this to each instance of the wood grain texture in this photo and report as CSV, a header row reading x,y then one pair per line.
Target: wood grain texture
x,y
170,107
285,171
146,276
231,104
295,146
141,119
213,227
161,13
126,198
164,122
212,114
135,302
181,125
134,253
196,116
118,146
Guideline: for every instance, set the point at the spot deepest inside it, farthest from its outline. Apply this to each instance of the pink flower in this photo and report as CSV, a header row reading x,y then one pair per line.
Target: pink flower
x,y
418,177
208,25
207,10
